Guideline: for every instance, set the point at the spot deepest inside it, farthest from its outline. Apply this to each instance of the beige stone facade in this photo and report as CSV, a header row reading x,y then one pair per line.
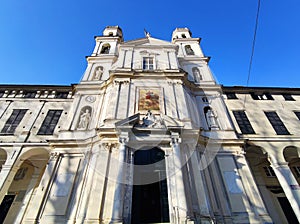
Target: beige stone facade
x,y
145,137
267,119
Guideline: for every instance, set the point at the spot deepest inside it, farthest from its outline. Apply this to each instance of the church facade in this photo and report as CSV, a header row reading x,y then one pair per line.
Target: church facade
x,y
147,136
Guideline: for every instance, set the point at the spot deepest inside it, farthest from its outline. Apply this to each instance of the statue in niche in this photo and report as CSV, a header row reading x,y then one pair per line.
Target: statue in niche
x,y
84,120
210,118
197,75
98,73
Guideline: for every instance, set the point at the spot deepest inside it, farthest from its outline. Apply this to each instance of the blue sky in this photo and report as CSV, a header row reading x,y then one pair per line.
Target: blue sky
x,y
45,42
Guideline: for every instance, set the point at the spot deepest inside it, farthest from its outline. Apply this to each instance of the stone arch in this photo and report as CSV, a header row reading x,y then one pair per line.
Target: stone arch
x,y
105,48
291,155
267,182
291,152
3,157
25,175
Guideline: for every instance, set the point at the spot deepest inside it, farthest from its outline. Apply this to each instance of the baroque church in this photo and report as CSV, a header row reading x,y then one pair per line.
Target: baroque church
x,y
148,136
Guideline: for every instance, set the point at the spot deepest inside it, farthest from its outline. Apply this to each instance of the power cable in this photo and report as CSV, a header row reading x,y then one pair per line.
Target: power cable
x,y
253,47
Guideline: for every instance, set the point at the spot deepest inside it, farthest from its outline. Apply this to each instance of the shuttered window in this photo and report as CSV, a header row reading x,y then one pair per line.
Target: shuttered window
x,y
13,121
276,122
243,122
50,122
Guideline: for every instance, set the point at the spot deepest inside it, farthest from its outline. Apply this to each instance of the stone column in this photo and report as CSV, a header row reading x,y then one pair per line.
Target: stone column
x,y
38,198
181,209
251,189
28,195
288,183
8,171
117,213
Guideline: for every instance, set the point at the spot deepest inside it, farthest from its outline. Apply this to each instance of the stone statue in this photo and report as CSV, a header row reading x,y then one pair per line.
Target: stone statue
x,y
150,121
84,121
211,119
98,73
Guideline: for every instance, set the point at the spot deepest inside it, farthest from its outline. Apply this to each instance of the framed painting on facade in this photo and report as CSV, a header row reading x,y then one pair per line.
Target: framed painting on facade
x,y
149,99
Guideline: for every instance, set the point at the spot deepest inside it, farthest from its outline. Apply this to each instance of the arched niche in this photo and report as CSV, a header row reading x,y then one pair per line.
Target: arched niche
x,y
210,117
84,118
197,75
98,72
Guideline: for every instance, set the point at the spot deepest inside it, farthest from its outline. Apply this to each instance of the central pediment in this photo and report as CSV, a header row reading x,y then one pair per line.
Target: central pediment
x,y
149,121
148,41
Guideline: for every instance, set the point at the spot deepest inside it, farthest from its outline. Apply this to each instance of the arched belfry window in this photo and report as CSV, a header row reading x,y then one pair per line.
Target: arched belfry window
x,y
189,50
197,75
98,72
105,49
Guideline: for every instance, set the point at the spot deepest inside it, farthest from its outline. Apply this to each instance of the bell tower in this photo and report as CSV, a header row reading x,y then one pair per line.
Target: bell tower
x,y
104,55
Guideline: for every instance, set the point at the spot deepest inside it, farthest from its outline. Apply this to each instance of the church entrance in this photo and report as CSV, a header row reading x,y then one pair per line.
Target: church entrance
x,y
150,200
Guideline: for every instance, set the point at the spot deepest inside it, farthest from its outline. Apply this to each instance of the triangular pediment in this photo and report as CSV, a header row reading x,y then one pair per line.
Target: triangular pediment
x,y
150,121
128,122
148,41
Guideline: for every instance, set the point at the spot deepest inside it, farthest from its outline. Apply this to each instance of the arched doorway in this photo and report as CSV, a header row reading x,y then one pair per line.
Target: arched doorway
x,y
150,192
271,191
31,166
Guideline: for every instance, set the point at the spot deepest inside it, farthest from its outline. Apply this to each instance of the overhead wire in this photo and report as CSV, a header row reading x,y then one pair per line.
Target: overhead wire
x,y
253,47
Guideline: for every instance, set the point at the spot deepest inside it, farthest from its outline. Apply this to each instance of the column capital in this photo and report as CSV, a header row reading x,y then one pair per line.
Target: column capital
x,y
109,145
54,155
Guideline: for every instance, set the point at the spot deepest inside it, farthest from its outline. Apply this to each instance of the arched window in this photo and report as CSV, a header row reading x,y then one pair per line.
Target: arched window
x,y
189,50
105,49
197,75
98,73
183,35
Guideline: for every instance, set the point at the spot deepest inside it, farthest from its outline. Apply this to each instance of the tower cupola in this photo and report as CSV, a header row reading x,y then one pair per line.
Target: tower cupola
x,y
113,31
179,33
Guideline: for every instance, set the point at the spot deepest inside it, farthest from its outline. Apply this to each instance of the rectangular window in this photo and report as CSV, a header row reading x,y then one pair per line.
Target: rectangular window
x,y
62,95
243,122
276,122
288,97
269,171
148,63
29,94
261,96
297,113
297,170
13,121
50,122
231,96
